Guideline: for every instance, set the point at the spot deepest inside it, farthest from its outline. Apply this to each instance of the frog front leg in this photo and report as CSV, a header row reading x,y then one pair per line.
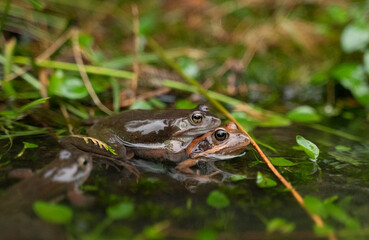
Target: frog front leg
x,y
78,199
185,166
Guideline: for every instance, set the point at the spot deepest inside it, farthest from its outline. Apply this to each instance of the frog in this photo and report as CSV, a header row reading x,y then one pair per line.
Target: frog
x,y
62,177
159,135
222,143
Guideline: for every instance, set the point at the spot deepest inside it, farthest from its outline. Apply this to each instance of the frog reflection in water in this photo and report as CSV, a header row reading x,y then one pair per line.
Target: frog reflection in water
x,y
161,135
61,177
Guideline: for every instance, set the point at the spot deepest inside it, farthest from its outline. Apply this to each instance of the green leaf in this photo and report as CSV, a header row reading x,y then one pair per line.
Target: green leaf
x,y
337,13
32,104
352,77
274,120
282,162
37,4
265,182
323,230
189,67
26,145
51,212
139,104
309,148
314,205
185,104
157,103
206,234
217,199
238,177
303,114
354,37
148,23
68,87
85,40
121,210
99,83
345,157
279,225
342,148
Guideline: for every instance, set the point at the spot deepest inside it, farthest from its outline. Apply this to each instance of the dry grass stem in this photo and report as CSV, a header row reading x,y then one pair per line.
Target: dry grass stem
x,y
136,26
82,71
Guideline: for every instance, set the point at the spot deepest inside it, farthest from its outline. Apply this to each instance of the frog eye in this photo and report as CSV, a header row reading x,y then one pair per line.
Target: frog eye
x,y
221,134
82,161
197,118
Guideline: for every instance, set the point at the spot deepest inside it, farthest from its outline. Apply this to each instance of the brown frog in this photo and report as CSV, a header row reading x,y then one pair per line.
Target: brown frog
x,y
61,177
161,135
222,143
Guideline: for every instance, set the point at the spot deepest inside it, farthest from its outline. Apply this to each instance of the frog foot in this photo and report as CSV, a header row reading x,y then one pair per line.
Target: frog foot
x,y
208,177
97,142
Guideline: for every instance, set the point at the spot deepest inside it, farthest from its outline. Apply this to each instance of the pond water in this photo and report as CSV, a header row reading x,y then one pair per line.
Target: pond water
x,y
169,206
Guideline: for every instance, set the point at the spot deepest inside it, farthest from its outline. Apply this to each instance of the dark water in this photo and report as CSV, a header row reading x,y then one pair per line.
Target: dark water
x,y
168,205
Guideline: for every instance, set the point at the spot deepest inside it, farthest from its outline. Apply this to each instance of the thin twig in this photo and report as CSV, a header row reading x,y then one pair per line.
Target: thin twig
x,y
44,83
67,118
154,45
136,26
82,71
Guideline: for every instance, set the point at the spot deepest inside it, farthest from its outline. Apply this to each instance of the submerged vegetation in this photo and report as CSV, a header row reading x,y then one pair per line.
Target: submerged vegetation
x,y
293,74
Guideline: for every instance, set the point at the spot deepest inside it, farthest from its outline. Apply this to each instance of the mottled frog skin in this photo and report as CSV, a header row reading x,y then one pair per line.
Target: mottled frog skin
x,y
161,135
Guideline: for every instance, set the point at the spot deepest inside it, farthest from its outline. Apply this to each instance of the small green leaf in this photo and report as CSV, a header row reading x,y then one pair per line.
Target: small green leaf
x,y
157,103
344,157
265,182
51,212
280,225
185,104
85,40
217,199
189,67
68,87
303,114
274,120
148,23
282,162
309,148
342,148
121,210
32,104
323,230
206,234
26,145
354,37
352,77
314,205
238,177
337,13
139,104
37,4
